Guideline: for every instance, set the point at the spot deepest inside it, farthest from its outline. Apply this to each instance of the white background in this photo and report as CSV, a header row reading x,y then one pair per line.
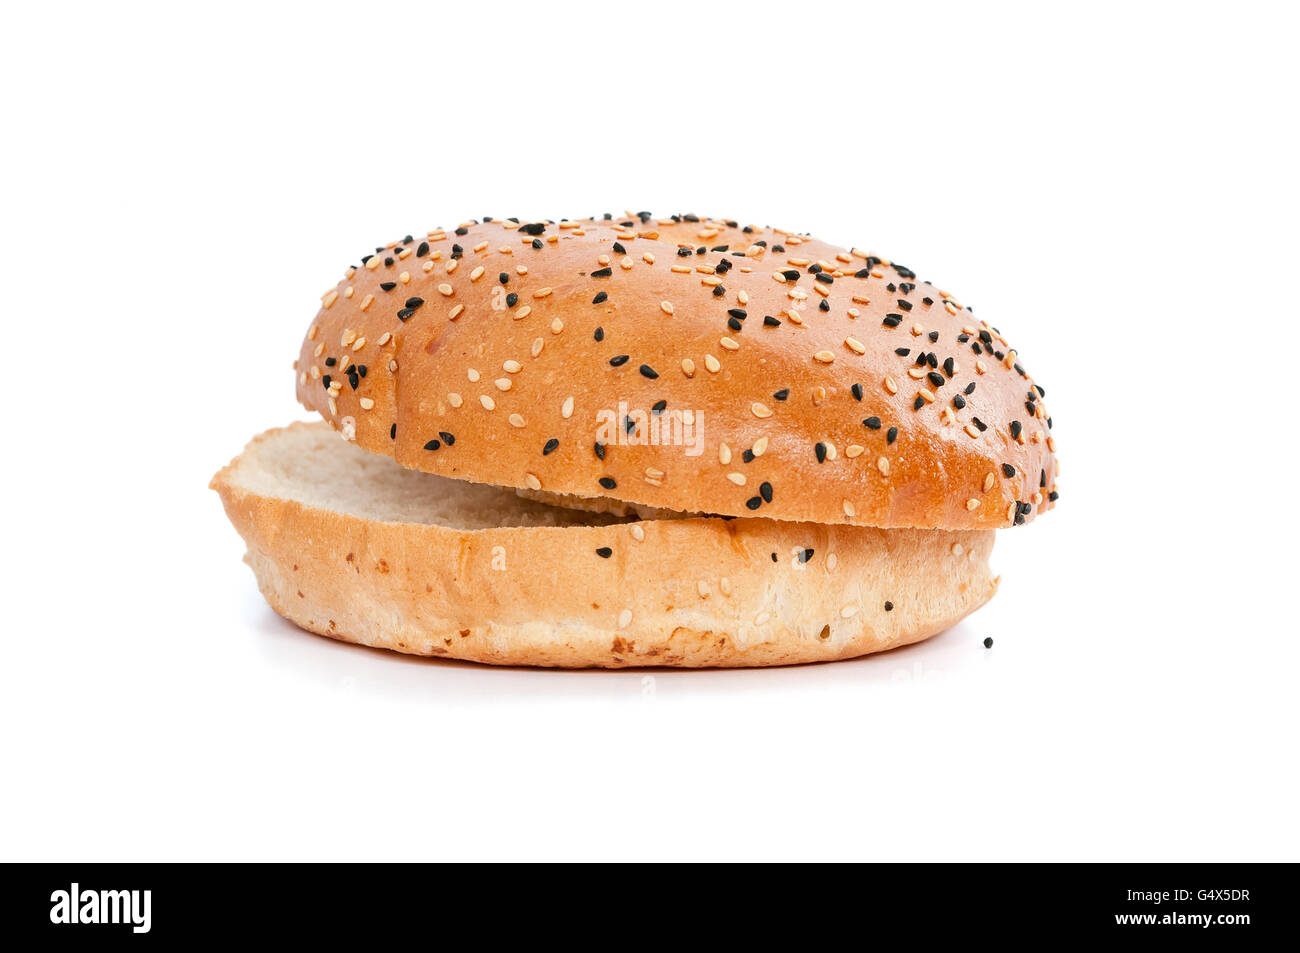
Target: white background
x,y
1114,187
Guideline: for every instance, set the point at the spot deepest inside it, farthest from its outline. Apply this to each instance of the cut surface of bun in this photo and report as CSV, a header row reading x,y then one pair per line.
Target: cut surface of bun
x,y
351,545
682,364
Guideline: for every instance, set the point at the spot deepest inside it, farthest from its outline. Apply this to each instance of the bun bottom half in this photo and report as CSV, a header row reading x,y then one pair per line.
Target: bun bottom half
x,y
350,545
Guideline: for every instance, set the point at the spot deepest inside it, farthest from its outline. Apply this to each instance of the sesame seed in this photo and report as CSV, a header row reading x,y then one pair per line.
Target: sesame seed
x,y
487,402
760,410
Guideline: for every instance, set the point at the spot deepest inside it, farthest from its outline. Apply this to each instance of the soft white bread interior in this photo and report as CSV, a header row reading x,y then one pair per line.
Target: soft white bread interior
x,y
350,545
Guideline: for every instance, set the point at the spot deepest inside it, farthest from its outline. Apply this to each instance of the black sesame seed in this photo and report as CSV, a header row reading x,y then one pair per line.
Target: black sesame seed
x,y
330,361
889,606
550,446
659,406
432,445
619,249
447,438
872,423
970,388
422,250
392,432
988,642
602,272
503,277
537,243
935,378
770,322
902,351
791,275
824,306
753,502
856,391
1015,429
600,450
959,401
1008,470
535,228
765,491
600,298
748,456
512,299
648,371
599,334
738,313
892,320
904,305
607,482
805,555
414,303
618,360
734,324
782,394
819,449
891,435
604,552
388,285
918,403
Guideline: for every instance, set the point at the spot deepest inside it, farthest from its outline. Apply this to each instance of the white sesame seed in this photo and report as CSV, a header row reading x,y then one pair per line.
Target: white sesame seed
x,y
487,402
849,508
455,400
724,454
503,383
666,307
566,408
625,618
855,346
760,446
712,363
516,420
367,403
882,464
761,410
736,478
532,481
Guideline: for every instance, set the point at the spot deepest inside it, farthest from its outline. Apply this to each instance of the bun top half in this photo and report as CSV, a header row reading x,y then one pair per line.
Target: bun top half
x,y
685,363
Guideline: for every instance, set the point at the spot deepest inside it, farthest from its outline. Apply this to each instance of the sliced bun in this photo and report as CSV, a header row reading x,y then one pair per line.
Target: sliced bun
x,y
822,384
350,545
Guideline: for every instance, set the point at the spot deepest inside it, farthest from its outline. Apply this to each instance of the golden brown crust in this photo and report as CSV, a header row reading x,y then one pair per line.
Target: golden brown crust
x,y
610,312
690,592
